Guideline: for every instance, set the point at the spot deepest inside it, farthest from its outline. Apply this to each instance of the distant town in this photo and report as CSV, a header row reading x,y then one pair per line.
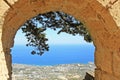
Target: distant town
x,y
57,72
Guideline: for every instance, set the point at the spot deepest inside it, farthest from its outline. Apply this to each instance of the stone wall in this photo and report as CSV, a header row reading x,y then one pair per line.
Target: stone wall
x,y
102,18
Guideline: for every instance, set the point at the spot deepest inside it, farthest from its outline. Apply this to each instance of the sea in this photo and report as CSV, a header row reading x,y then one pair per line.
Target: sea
x,y
57,54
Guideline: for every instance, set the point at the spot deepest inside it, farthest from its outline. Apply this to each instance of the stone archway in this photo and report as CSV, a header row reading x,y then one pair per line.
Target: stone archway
x,y
100,21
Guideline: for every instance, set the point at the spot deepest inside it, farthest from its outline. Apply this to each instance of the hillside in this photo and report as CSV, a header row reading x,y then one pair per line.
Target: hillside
x,y
56,72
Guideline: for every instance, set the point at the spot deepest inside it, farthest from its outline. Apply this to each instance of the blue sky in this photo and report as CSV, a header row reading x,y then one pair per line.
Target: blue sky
x,y
54,38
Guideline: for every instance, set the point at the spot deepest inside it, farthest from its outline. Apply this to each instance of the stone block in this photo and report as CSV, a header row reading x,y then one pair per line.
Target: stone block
x,y
116,63
98,74
103,60
106,76
101,75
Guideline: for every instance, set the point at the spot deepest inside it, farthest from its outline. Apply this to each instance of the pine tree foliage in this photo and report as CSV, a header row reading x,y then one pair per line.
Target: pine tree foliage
x,y
34,29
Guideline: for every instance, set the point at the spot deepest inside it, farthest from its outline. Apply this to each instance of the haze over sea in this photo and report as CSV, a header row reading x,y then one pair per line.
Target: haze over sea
x,y
58,54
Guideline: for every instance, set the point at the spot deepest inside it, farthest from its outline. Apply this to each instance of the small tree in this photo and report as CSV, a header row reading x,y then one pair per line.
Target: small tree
x,y
34,29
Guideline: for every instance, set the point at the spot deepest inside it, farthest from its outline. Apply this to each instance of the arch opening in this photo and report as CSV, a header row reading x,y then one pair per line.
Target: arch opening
x,y
72,58
69,22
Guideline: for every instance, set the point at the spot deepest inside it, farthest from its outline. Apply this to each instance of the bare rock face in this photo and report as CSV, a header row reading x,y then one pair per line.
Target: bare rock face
x,y
102,18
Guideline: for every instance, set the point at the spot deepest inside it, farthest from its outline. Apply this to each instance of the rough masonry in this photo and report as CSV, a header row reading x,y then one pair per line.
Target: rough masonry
x,y
102,18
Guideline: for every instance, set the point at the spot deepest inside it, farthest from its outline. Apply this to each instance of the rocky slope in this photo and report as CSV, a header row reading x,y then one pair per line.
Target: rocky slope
x,y
57,72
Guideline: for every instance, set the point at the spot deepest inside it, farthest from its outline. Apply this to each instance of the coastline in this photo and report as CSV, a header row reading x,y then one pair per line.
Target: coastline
x,y
54,72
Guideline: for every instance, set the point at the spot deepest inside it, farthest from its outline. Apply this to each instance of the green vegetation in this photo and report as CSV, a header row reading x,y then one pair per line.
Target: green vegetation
x,y
34,29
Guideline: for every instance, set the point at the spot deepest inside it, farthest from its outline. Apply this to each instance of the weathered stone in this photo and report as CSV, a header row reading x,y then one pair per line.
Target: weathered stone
x,y
106,76
114,8
98,74
101,17
104,60
116,61
101,75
